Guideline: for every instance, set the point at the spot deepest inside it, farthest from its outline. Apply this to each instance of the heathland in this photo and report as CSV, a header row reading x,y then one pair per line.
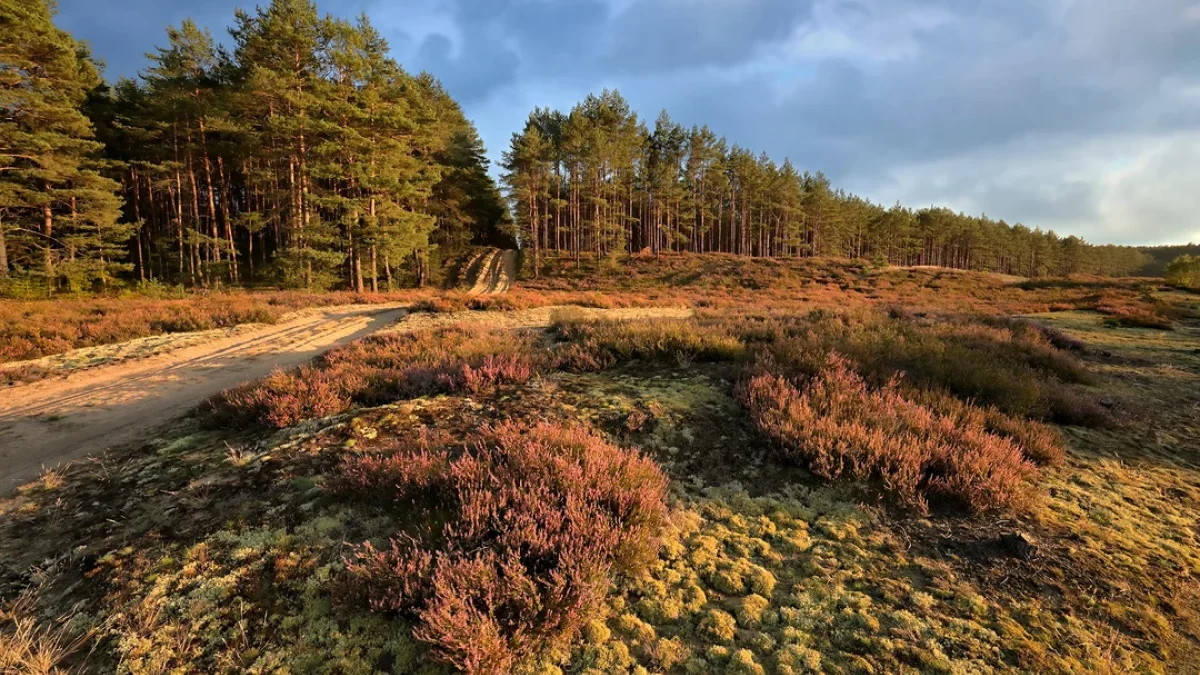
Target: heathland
x,y
729,419
811,466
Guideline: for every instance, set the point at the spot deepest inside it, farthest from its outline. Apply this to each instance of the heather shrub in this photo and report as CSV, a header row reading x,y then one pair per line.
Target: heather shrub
x,y
524,530
385,368
836,425
285,397
443,304
601,343
1011,365
381,369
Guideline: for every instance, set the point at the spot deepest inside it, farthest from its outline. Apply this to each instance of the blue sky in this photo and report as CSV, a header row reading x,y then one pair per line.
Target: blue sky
x,y
1081,116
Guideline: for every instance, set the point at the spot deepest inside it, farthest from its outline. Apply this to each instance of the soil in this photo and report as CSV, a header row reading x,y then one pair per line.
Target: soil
x,y
494,272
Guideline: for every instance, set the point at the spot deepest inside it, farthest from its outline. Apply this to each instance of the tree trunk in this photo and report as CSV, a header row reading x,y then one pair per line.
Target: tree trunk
x,y
47,253
374,271
214,232
224,187
3,251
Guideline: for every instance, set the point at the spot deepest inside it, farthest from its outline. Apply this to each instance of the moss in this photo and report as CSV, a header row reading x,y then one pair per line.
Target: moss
x,y
750,610
703,554
669,653
717,654
636,629
718,626
796,659
760,642
661,610
730,578
761,581
596,632
693,596
742,662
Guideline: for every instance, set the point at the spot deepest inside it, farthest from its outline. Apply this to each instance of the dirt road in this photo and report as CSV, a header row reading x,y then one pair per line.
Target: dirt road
x,y
494,272
48,422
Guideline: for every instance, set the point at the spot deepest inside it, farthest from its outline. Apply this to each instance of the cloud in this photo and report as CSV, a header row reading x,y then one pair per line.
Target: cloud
x,y
1076,115
1128,189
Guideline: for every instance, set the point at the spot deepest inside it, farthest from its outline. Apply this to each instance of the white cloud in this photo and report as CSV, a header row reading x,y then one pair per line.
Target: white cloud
x,y
1130,189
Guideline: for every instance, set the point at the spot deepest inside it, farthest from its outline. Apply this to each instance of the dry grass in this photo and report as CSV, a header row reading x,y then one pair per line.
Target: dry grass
x,y
32,646
716,282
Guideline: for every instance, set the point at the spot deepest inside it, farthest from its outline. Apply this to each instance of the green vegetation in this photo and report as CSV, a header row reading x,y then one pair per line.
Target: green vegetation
x,y
58,209
599,180
1161,256
304,157
1184,271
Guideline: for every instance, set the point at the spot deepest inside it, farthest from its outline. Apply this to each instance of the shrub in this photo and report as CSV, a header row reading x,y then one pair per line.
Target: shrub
x,y
1139,320
1184,271
608,342
284,398
838,426
1011,365
443,304
381,369
529,524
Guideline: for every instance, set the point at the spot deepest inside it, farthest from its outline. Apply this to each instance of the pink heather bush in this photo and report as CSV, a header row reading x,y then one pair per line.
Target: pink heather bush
x,y
838,426
531,525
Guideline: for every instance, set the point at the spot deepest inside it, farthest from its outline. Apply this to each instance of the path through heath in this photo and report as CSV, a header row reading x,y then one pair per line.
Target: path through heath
x,y
48,422
45,423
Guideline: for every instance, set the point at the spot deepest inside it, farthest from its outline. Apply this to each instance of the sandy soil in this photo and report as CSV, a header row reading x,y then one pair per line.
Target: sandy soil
x,y
46,423
494,272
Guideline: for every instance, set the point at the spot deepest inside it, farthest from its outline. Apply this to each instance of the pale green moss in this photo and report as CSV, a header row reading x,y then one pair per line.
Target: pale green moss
x,y
796,659
742,662
718,626
750,610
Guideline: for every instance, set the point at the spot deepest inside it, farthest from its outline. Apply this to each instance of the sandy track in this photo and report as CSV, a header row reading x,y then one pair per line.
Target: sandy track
x,y
48,422
494,272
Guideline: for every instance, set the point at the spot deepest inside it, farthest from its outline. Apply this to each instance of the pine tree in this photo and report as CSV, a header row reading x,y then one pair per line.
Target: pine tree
x,y
57,208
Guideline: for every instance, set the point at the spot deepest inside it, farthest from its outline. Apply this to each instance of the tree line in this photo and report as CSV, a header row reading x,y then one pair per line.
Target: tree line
x,y
304,156
1161,256
599,181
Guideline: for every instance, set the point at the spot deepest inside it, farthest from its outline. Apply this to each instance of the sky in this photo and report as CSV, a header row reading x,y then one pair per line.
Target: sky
x,y
1081,116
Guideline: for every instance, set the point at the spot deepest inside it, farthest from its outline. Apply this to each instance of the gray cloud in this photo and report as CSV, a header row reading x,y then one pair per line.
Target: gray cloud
x,y
1034,110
